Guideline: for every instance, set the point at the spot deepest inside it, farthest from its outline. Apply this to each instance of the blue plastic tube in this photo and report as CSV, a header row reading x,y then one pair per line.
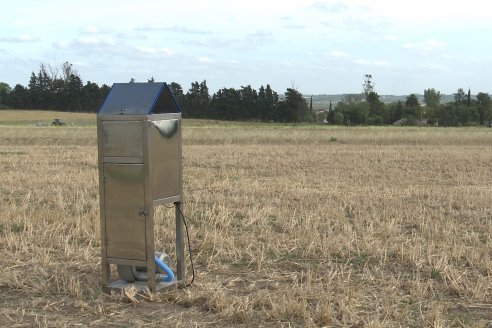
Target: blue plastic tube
x,y
169,273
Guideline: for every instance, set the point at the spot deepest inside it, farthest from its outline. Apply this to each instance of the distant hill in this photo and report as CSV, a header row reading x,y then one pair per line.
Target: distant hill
x,y
323,101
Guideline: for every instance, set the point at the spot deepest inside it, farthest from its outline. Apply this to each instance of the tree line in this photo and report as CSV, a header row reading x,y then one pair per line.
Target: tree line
x,y
63,90
243,104
54,89
368,109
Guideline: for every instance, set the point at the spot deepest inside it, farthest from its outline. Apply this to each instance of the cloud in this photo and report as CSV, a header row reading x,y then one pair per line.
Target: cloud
x,y
293,26
152,51
61,45
249,42
23,38
96,41
339,57
204,59
373,63
256,40
290,24
91,30
452,56
426,47
93,43
96,30
90,45
216,61
434,67
130,35
231,61
330,6
383,37
210,42
174,29
338,54
368,25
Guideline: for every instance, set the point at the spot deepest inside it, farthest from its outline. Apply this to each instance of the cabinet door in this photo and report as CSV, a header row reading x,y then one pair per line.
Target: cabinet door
x,y
124,198
122,138
165,146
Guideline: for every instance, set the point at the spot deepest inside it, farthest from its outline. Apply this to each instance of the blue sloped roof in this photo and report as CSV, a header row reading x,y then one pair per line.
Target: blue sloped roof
x,y
139,99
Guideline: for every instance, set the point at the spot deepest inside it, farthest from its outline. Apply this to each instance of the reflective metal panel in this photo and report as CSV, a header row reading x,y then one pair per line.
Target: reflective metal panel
x,y
165,158
122,138
124,199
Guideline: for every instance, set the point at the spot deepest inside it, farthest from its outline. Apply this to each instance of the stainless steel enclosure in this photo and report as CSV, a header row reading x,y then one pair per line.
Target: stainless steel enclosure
x,y
139,150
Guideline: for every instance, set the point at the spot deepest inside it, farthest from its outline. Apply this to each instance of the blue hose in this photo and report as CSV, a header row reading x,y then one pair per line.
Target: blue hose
x,y
169,273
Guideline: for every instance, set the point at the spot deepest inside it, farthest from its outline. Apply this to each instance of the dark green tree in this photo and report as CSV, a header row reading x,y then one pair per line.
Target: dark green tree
x,y
178,93
412,101
353,113
293,108
197,100
4,93
19,97
58,101
73,92
338,118
460,97
226,104
446,115
412,107
191,106
35,92
271,102
262,104
249,103
376,108
48,90
453,114
204,98
395,112
41,89
484,107
103,92
330,115
267,102
90,98
432,98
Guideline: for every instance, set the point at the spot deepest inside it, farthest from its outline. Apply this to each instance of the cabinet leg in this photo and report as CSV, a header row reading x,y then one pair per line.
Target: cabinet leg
x,y
180,267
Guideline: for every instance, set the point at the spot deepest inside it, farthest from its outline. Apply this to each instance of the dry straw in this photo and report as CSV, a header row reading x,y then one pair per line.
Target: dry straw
x,y
291,226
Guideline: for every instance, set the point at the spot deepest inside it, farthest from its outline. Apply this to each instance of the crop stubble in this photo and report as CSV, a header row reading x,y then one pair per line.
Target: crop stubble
x,y
299,225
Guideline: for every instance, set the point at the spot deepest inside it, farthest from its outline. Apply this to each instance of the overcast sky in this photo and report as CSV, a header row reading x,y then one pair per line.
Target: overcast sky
x,y
320,47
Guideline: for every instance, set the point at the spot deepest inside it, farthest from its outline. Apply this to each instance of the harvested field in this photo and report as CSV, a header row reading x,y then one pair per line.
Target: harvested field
x,y
289,225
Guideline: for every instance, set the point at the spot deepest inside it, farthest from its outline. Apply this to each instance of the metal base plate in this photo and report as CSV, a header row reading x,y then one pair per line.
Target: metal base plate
x,y
141,285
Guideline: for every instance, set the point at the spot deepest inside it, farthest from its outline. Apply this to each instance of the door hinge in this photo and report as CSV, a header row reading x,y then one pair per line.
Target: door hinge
x,y
143,212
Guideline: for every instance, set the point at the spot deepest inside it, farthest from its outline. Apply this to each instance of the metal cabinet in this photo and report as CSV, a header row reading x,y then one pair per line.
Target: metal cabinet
x,y
139,151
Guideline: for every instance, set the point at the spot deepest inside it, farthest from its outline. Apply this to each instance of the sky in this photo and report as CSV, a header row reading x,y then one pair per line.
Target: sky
x,y
317,47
